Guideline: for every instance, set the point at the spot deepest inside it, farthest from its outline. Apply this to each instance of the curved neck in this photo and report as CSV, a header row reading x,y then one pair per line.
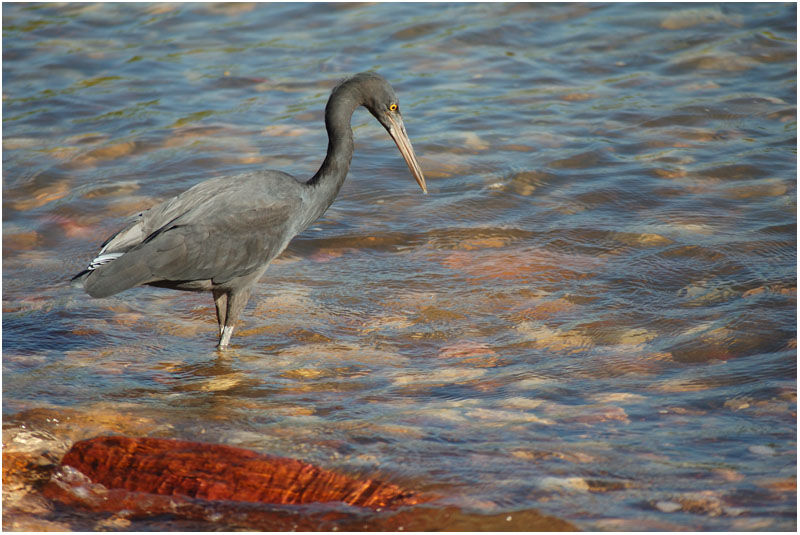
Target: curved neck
x,y
327,181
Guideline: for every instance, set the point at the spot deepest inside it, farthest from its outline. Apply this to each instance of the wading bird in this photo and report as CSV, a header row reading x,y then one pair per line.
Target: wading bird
x,y
221,234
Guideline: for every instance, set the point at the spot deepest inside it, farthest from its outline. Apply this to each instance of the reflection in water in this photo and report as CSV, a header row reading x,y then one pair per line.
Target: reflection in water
x,y
593,313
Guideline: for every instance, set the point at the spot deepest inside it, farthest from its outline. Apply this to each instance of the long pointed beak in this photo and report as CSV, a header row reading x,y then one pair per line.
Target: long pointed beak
x,y
398,132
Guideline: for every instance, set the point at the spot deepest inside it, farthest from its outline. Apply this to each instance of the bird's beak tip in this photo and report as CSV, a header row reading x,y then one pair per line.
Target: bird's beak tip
x,y
417,174
398,133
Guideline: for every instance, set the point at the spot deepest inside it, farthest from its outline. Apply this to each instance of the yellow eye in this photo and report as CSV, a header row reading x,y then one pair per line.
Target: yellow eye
x,y
393,107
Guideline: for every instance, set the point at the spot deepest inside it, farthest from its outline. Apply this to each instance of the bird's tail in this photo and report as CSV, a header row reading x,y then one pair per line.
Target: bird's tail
x,y
78,280
111,273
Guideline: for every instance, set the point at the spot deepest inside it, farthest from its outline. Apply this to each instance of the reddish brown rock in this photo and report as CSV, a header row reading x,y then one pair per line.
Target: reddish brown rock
x,y
219,472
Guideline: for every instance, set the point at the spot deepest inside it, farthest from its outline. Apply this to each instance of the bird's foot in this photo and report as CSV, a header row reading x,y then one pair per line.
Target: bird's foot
x,y
225,337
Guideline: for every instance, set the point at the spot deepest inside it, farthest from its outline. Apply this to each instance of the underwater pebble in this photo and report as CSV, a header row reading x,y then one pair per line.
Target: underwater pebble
x,y
668,507
394,322
544,337
534,382
116,522
109,152
446,375
20,240
733,511
636,525
703,502
221,383
545,310
647,239
441,168
522,403
483,243
680,19
761,450
779,485
284,130
577,97
495,415
728,475
736,404
752,524
680,385
26,499
636,337
53,191
525,183
465,349
616,397
670,173
564,483
13,143
31,524
516,147
472,141
700,86
572,457
475,354
117,189
593,415
766,188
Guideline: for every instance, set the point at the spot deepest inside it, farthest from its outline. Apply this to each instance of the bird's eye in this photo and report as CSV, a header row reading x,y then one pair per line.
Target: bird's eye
x,y
392,107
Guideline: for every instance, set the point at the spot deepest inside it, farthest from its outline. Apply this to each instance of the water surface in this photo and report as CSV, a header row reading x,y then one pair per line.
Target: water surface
x,y
592,314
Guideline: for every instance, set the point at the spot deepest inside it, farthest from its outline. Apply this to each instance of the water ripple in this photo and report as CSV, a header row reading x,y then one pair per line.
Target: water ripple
x,y
592,313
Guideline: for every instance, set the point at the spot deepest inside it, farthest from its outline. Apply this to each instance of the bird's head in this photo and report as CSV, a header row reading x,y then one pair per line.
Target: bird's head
x,y
382,102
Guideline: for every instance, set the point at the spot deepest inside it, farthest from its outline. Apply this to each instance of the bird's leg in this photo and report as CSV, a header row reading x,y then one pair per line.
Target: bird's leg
x,y
221,302
237,299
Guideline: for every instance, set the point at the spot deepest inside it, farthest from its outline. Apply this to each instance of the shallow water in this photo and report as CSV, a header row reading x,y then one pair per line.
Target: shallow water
x,y
592,314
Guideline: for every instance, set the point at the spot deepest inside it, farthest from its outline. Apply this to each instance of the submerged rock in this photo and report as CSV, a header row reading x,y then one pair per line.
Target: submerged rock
x,y
219,472
176,485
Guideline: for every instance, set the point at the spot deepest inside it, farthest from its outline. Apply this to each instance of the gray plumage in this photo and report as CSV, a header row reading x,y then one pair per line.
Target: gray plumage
x,y
221,234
